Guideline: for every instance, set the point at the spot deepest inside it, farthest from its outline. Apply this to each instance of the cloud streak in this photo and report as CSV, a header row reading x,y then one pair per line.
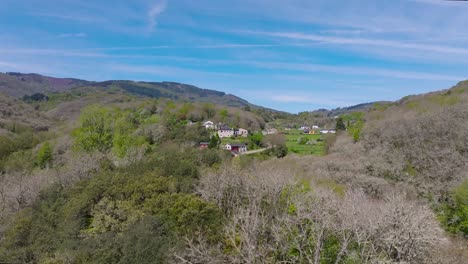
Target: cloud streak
x,y
155,10
72,35
361,41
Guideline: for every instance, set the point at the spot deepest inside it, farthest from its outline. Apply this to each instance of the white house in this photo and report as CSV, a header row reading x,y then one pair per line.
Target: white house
x,y
236,147
270,131
209,125
324,131
315,127
241,132
225,131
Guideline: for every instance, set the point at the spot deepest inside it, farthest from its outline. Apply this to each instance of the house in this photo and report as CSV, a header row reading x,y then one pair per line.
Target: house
x,y
306,131
315,127
332,131
209,125
225,131
270,131
203,145
241,132
324,131
304,128
236,147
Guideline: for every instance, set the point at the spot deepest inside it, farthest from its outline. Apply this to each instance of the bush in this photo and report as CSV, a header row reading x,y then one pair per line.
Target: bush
x,y
454,215
44,156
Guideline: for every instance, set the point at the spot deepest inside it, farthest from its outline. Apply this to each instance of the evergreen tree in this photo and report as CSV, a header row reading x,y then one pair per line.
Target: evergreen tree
x,y
340,124
214,141
44,156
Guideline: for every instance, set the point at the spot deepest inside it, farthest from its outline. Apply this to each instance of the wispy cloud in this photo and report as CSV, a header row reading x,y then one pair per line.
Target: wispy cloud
x,y
319,99
155,10
53,52
70,17
361,41
72,35
351,70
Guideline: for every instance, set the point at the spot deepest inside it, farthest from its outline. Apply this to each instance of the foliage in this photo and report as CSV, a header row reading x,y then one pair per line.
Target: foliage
x,y
214,141
340,125
131,215
256,139
355,125
35,97
95,131
44,156
454,214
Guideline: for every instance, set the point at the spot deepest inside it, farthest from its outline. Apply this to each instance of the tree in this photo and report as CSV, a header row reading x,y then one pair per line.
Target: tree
x,y
455,214
214,141
256,139
95,131
44,156
209,110
223,114
340,124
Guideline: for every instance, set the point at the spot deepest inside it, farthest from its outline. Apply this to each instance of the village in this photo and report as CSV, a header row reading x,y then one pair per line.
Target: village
x,y
300,140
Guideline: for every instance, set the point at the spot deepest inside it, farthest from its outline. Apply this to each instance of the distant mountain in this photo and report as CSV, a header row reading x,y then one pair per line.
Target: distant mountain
x,y
19,84
346,110
175,91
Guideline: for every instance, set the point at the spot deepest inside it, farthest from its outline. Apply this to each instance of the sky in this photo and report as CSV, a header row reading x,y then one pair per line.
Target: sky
x,y
295,55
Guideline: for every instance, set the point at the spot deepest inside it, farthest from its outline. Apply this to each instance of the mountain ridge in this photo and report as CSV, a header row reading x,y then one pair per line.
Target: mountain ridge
x,y
17,85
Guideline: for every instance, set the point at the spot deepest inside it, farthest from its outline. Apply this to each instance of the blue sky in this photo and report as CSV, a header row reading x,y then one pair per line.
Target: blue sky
x,y
293,55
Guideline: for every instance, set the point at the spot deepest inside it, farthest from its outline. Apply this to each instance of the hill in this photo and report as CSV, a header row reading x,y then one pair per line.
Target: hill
x,y
18,85
345,110
120,177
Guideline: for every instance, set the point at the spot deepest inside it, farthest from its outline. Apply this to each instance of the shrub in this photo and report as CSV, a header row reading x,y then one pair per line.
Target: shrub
x,y
454,215
44,156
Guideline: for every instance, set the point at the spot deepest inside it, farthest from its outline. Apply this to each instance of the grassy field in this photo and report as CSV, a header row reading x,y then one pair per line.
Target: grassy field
x,y
315,145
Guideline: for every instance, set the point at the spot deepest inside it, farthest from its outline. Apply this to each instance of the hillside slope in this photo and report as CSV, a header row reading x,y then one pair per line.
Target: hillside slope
x,y
19,84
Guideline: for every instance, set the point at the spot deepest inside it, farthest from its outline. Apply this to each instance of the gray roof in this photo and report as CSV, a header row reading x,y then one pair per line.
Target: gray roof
x,y
225,127
237,144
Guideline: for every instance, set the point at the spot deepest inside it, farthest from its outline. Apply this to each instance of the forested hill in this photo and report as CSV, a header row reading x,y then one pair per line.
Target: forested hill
x,y
19,84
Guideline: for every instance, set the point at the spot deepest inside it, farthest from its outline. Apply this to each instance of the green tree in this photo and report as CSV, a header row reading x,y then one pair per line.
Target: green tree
x,y
209,110
44,156
95,131
223,114
454,215
214,141
340,125
256,139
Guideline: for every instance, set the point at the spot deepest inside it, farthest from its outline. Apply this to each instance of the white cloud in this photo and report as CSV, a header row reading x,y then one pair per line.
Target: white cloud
x,y
322,100
73,35
155,10
362,41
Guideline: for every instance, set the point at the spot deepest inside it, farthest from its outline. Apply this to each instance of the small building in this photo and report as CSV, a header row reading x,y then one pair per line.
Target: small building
x,y
306,131
332,131
209,125
242,132
324,131
225,131
204,145
236,147
270,131
315,127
